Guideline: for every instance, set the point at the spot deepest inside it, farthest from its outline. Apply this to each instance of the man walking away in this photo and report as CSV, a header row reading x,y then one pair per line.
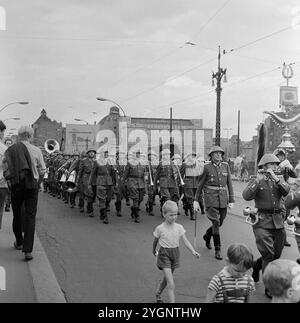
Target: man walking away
x,y
24,168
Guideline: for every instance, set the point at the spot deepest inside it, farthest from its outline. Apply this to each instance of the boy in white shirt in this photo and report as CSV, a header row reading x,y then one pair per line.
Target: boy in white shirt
x,y
168,235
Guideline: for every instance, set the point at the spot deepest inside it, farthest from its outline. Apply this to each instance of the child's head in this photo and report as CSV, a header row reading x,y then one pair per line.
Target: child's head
x,y
239,259
282,278
170,211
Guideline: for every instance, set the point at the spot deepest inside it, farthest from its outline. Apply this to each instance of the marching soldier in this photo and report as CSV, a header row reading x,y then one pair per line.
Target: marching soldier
x,y
75,168
152,162
267,190
191,170
216,176
83,177
119,189
103,175
287,171
134,174
166,176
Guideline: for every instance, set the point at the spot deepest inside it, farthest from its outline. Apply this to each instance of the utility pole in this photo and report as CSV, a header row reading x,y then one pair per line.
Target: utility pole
x,y
218,76
171,138
238,137
87,143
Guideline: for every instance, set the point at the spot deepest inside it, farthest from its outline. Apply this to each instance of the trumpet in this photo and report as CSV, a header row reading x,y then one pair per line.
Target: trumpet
x,y
150,175
264,172
251,214
182,183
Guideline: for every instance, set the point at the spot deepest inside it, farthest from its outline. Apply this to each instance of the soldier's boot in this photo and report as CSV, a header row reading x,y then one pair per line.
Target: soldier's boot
x,y
101,217
217,244
136,215
118,208
132,212
105,216
257,266
7,207
150,211
89,210
107,204
202,207
127,201
192,214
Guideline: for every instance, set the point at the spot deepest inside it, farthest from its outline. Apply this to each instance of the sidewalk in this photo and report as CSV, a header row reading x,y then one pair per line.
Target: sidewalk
x,y
25,282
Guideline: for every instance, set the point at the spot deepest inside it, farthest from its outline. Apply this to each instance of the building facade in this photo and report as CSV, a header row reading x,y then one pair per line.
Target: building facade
x,y
45,128
125,134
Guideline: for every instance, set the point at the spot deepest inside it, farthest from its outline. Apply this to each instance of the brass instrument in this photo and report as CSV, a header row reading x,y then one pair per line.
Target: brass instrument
x,y
182,183
46,174
51,145
251,214
264,172
290,224
150,175
71,182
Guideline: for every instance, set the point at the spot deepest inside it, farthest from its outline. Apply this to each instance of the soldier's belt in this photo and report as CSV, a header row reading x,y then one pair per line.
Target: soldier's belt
x,y
266,211
192,176
217,188
135,176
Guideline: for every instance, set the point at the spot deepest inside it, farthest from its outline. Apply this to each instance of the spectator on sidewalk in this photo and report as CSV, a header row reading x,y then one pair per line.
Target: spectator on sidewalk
x,y
24,168
233,284
3,184
282,277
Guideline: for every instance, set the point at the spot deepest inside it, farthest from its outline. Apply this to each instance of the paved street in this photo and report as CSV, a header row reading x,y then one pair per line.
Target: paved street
x,y
94,262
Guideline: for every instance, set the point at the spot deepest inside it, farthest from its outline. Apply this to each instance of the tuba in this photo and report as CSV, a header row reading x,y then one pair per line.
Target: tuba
x,y
51,145
71,182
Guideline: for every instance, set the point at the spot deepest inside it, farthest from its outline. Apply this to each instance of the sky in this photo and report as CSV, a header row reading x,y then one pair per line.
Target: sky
x,y
61,55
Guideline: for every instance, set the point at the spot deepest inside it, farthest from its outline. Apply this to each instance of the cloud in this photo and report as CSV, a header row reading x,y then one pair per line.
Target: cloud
x,y
181,81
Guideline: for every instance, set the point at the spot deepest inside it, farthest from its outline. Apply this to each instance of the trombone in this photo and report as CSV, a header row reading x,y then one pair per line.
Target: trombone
x,y
150,175
182,183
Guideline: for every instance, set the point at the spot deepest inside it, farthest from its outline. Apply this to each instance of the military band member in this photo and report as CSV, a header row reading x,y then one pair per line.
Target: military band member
x,y
214,180
119,187
83,177
166,178
73,167
267,190
191,170
103,175
287,171
151,192
134,176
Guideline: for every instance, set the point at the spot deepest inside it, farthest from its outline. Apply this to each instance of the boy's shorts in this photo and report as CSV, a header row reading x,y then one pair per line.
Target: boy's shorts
x,y
168,258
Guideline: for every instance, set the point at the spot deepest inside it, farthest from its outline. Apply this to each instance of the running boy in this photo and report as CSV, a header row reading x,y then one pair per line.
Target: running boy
x,y
282,278
232,284
168,235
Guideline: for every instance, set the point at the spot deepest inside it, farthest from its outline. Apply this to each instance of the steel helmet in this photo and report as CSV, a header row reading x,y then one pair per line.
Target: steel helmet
x,y
268,158
214,149
279,151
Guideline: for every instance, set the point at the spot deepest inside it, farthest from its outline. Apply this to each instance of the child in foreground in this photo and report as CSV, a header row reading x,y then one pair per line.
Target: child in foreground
x,y
168,235
233,284
282,278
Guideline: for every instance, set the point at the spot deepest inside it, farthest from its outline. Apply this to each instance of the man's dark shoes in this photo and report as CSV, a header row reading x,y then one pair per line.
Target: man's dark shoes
x,y
207,242
17,247
28,256
218,255
267,293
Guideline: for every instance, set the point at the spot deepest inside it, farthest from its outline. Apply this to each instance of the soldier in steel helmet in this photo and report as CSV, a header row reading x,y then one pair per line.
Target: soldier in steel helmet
x,y
214,180
267,190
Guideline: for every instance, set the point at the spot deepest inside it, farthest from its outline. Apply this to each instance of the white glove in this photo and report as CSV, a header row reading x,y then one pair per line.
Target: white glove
x,y
196,206
230,205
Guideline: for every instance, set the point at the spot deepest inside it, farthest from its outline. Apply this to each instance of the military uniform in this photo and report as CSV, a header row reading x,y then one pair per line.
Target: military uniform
x,y
269,230
151,190
83,177
134,176
103,176
213,182
267,190
191,173
166,176
119,188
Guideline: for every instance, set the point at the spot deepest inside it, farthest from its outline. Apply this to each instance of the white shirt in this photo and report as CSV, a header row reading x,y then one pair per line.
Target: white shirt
x,y
169,234
37,160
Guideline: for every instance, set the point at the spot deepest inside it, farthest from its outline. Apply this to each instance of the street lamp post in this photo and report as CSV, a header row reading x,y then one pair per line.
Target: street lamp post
x,y
19,102
109,100
218,76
